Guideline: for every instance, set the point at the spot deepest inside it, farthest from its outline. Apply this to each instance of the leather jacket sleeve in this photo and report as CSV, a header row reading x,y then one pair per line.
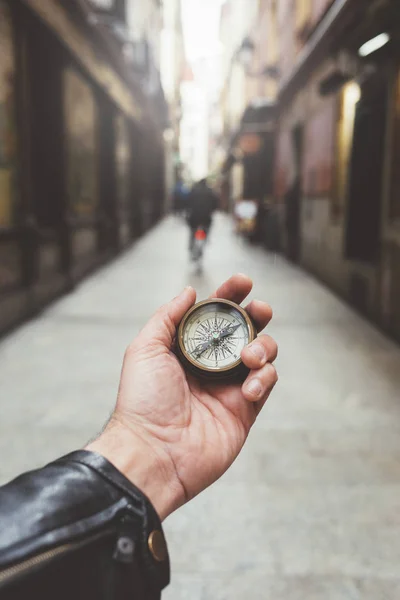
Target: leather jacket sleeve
x,y
78,529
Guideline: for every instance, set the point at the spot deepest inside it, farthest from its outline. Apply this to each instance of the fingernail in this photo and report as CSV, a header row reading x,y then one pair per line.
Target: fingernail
x,y
258,351
254,388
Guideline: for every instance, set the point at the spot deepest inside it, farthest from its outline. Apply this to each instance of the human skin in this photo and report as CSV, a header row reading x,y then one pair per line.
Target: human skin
x,y
171,435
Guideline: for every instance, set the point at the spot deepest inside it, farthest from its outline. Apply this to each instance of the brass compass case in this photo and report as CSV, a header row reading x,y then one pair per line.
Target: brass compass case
x,y
211,337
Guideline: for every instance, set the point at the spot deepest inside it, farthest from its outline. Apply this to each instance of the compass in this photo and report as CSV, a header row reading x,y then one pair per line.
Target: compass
x,y
211,337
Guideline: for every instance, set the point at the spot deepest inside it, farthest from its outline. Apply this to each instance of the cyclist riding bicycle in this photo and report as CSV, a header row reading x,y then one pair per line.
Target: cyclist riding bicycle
x,y
201,203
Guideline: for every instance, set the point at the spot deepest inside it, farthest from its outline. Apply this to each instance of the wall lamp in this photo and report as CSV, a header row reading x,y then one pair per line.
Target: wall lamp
x,y
244,55
245,52
374,44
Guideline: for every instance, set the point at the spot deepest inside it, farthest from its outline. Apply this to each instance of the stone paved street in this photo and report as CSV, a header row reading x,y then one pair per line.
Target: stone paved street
x,y
311,509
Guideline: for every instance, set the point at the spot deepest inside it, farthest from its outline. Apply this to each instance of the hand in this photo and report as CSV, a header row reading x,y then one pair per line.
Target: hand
x,y
170,434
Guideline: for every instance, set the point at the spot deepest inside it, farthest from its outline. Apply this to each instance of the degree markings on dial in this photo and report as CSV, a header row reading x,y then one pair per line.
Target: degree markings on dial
x,y
219,351
216,353
203,328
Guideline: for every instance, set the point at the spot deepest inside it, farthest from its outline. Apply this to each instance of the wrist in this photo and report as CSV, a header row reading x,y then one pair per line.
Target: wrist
x,y
144,463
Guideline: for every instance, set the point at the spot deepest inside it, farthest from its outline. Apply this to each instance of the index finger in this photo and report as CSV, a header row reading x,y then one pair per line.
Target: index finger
x,y
236,288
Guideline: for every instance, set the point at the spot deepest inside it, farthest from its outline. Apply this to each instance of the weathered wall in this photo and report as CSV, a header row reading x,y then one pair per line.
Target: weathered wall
x,y
323,213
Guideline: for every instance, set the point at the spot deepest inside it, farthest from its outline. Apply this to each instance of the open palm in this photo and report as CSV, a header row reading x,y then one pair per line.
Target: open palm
x,y
195,428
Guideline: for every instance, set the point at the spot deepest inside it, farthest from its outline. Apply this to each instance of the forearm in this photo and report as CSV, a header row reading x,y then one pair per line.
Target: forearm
x,y
140,459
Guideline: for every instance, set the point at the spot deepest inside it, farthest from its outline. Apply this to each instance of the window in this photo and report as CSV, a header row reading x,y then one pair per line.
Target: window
x,y
350,95
303,14
81,143
395,174
284,165
318,164
122,160
8,143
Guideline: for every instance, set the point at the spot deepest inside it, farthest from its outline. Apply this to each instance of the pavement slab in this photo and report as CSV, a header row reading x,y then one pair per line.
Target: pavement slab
x,y
311,508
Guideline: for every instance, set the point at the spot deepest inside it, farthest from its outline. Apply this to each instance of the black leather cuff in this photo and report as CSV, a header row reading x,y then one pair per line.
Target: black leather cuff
x,y
151,541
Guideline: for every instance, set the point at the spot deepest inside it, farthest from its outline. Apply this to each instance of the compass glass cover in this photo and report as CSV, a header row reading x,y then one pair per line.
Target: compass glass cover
x,y
214,336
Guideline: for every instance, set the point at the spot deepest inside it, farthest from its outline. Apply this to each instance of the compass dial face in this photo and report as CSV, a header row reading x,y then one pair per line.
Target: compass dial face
x,y
214,334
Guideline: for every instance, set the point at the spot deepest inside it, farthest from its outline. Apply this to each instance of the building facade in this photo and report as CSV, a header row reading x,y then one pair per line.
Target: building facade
x,y
249,36
337,145
336,184
172,67
82,115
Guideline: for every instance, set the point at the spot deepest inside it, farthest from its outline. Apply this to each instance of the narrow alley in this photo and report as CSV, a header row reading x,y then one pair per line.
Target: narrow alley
x,y
311,509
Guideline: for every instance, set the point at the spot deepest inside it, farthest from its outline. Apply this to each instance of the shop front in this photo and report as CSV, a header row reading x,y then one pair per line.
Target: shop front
x,y
81,158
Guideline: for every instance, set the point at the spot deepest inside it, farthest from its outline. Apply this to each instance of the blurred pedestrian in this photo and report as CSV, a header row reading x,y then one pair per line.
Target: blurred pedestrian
x,y
89,524
201,203
180,195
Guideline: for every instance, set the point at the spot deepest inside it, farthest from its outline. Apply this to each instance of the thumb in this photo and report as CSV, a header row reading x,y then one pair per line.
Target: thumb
x,y
161,329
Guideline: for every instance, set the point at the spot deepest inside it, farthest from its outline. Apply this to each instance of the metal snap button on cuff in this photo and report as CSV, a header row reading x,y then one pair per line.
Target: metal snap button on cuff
x,y
158,545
